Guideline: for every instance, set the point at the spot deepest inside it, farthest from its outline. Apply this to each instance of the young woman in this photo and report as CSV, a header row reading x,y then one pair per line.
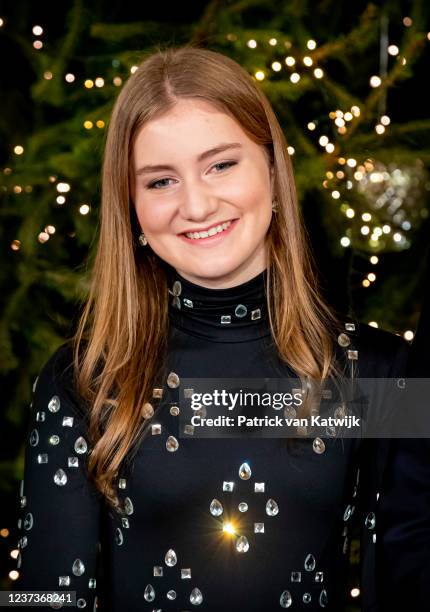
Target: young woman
x,y
202,271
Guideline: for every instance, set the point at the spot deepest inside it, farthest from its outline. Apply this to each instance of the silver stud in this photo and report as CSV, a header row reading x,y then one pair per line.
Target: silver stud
x,y
155,429
172,444
54,403
28,521
147,410
189,430
307,597
348,512
343,340
54,440
228,486
240,311
158,571
296,576
42,458
23,542
225,319
23,501
259,487
350,327
72,462
352,354
125,522
258,527
34,438
63,580
243,507
188,303
67,421
171,594
173,380
92,583
174,410
122,483
319,576
186,573
318,445
157,392
188,393
256,314
81,603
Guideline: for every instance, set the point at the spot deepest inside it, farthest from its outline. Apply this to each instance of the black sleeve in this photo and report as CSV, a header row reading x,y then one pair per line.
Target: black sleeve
x,y
404,560
59,509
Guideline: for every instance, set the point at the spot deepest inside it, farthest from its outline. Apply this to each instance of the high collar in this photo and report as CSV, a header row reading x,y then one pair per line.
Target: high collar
x,y
235,314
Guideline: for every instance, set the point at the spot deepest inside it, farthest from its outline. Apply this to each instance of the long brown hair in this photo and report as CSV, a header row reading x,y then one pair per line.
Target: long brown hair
x,y
120,344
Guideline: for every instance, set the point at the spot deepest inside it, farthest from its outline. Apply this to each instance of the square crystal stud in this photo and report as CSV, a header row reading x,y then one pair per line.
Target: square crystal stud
x,y
258,527
296,576
350,327
227,486
225,319
158,571
319,576
188,393
92,583
42,458
125,522
352,354
185,573
259,487
72,462
155,429
122,483
255,314
157,392
188,303
68,421
63,580
189,429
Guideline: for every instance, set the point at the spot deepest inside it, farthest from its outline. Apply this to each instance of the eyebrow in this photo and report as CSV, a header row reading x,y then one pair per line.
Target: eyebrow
x,y
209,153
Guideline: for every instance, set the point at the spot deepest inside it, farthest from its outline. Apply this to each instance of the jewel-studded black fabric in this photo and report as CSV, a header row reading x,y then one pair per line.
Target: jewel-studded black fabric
x,y
220,524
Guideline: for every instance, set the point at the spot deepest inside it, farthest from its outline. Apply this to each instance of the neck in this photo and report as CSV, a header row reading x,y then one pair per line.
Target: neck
x,y
229,314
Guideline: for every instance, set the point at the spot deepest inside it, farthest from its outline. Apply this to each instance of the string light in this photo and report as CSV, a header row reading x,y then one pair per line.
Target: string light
x,y
408,335
18,150
37,30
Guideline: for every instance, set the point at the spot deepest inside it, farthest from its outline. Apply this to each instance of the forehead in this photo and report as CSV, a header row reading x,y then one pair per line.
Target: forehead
x,y
190,127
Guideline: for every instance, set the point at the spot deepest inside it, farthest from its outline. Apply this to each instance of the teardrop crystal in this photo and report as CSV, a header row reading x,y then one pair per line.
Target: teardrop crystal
x,y
34,438
54,404
323,599
172,444
80,445
318,445
370,521
171,559
272,507
242,544
60,477
216,508
310,563
128,506
285,600
149,593
28,521
245,471
196,597
78,568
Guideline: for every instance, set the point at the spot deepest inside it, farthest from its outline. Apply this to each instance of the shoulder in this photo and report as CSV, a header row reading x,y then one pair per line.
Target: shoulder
x,y
56,378
380,353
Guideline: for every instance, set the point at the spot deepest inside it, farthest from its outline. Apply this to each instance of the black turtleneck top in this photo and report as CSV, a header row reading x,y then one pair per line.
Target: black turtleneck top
x,y
169,550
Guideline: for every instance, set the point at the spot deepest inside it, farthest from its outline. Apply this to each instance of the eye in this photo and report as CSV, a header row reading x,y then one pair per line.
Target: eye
x,y
154,184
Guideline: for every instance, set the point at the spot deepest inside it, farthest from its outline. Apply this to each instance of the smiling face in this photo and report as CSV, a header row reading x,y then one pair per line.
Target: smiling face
x,y
227,191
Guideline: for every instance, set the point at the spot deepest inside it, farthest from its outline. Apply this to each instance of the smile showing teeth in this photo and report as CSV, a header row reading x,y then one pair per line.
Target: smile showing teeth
x,y
211,232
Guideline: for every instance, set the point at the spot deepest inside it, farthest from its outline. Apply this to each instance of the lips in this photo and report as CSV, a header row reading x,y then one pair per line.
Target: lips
x,y
205,229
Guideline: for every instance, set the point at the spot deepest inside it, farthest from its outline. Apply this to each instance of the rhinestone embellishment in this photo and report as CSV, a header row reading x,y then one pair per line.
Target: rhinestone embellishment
x,y
173,380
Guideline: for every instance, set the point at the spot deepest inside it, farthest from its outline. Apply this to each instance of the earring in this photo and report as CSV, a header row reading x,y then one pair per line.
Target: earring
x,y
275,205
142,239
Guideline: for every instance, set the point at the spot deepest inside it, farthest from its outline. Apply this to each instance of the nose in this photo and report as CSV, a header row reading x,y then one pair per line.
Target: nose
x,y
197,204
